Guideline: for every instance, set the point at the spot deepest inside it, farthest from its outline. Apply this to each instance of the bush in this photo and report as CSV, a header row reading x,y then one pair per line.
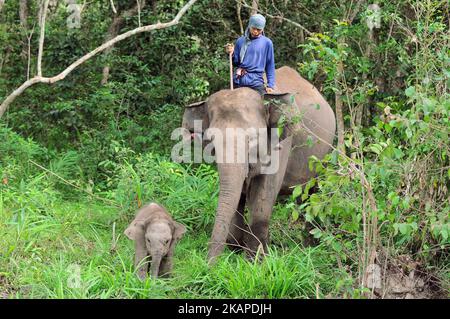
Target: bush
x,y
188,192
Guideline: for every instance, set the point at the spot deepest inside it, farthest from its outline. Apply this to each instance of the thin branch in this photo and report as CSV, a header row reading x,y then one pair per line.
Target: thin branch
x,y
41,39
353,13
70,68
113,7
238,11
255,5
139,12
29,37
277,17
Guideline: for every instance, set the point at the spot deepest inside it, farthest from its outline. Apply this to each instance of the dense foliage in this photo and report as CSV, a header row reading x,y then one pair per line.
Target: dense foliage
x,y
78,157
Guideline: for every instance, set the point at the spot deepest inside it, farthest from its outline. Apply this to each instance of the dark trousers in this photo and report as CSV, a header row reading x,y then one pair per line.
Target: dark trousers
x,y
260,89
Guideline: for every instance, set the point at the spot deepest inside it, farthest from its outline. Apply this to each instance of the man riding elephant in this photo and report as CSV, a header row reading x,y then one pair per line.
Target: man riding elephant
x,y
308,129
252,56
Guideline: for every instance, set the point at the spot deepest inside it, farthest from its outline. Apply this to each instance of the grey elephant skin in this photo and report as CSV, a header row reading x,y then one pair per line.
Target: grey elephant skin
x,y
309,130
155,234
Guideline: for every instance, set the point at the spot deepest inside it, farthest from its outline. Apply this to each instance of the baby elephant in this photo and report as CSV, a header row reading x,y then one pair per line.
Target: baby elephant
x,y
155,234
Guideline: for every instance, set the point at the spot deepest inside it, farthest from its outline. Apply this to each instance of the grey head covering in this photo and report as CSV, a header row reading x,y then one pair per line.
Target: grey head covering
x,y
256,21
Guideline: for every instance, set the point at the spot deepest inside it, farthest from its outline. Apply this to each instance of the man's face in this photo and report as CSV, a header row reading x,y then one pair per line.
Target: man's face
x,y
255,32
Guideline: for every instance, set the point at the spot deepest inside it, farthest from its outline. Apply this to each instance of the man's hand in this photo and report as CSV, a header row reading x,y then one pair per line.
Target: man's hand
x,y
229,48
269,90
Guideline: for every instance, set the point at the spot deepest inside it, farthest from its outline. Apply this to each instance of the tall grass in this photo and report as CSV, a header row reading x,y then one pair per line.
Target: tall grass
x,y
188,192
59,246
42,252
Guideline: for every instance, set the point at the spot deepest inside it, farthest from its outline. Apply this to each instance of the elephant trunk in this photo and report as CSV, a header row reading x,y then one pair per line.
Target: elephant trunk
x,y
232,177
156,262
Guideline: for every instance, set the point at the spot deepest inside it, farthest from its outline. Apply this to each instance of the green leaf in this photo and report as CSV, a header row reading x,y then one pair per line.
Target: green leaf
x,y
376,148
317,233
444,233
309,141
398,153
295,215
280,130
410,92
336,246
408,132
395,201
391,195
403,228
297,191
334,157
405,203
388,127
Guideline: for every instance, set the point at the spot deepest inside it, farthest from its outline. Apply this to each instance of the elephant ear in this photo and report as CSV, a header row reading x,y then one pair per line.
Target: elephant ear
x,y
140,222
135,229
196,104
179,231
196,112
278,104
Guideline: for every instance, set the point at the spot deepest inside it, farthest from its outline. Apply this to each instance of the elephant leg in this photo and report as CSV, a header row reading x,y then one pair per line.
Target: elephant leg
x,y
232,178
165,269
238,227
261,198
141,261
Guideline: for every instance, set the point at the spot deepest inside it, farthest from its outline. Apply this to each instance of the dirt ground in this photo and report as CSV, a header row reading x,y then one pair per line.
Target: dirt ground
x,y
405,278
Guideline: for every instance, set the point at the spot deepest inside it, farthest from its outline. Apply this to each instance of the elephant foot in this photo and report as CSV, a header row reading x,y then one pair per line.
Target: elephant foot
x,y
213,253
142,275
256,254
212,260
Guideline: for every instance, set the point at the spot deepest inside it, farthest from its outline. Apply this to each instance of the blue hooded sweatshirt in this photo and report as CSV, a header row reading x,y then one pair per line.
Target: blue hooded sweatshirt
x,y
258,58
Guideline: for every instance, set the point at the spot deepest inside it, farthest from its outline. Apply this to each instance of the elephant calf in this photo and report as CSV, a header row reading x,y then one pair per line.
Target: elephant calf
x,y
155,234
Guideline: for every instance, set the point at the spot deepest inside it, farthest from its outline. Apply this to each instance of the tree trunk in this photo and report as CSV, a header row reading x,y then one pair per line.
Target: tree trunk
x,y
255,5
232,177
114,30
23,16
154,7
238,12
23,13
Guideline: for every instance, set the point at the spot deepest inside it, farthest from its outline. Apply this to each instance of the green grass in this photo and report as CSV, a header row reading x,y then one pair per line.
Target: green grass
x,y
60,242
43,249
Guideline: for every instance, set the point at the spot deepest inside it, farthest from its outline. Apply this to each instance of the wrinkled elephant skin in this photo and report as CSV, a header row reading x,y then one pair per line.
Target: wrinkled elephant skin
x,y
309,130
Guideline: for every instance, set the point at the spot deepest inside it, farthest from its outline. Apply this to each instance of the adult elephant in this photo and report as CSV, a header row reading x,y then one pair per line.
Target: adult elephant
x,y
309,130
